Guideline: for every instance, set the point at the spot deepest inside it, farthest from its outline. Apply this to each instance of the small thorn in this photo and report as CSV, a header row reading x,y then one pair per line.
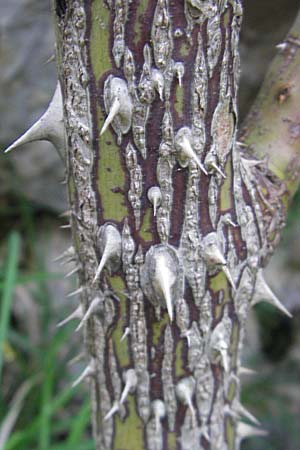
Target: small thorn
x,y
229,277
246,371
183,144
88,372
92,309
65,214
110,243
158,82
242,411
245,431
262,292
159,412
126,333
281,46
154,196
224,357
76,292
76,359
185,390
228,221
115,408
187,334
179,72
115,108
189,152
211,249
165,280
241,144
131,380
217,169
51,59
67,226
77,314
75,270
50,126
69,253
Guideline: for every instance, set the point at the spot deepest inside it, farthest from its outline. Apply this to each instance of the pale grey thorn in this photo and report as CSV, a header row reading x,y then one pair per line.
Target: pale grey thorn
x,y
125,334
187,334
179,72
130,379
50,127
241,144
184,148
248,164
89,371
211,164
247,371
237,411
262,292
185,390
76,292
165,279
281,46
76,359
75,270
118,105
67,213
114,109
213,255
95,306
51,59
245,431
218,343
154,196
159,412
77,314
110,249
243,412
113,410
65,227
228,221
158,82
69,253
161,277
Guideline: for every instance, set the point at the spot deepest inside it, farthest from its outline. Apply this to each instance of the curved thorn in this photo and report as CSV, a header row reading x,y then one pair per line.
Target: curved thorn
x,y
77,314
49,127
130,384
115,108
126,333
115,408
90,311
217,169
164,278
88,372
190,153
102,263
76,292
262,292
69,274
228,276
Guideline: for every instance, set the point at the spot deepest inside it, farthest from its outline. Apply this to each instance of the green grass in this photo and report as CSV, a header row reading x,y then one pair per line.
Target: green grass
x,y
53,416
13,250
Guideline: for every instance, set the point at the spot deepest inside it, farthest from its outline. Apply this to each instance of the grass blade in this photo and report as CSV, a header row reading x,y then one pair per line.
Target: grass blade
x,y
14,243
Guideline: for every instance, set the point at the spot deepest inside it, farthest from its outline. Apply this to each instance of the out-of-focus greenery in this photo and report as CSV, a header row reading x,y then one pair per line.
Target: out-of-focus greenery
x,y
51,415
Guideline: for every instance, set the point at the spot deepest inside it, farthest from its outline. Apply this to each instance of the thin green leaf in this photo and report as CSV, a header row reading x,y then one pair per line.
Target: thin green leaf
x,y
8,288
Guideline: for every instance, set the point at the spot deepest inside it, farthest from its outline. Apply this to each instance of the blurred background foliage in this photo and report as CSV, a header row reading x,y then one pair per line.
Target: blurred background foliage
x,y
38,409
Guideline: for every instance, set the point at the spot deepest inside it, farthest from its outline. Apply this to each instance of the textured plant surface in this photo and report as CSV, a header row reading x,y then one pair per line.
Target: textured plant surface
x,y
172,219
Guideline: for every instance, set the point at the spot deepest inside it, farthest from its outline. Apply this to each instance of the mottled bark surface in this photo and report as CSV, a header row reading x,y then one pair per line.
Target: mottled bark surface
x,y
167,308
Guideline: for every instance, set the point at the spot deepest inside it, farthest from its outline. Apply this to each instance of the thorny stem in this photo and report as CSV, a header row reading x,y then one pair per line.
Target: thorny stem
x,y
166,74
